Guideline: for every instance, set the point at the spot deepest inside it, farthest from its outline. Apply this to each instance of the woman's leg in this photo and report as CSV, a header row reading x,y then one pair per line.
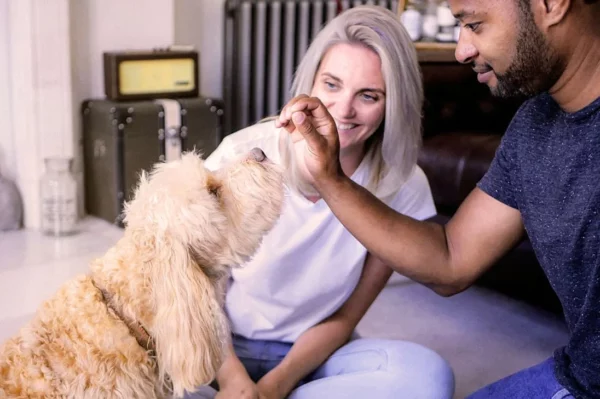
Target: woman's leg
x,y
382,369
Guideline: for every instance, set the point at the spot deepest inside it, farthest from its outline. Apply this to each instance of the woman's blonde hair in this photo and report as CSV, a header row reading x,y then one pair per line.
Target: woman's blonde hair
x,y
392,151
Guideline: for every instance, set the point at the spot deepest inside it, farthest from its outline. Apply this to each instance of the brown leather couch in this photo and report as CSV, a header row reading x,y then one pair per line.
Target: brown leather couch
x,y
463,126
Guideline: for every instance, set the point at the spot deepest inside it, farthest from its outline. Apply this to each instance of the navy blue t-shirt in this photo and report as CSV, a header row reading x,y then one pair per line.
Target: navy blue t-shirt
x,y
548,167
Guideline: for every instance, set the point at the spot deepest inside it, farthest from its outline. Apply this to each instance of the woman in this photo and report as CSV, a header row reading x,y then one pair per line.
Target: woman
x,y
294,306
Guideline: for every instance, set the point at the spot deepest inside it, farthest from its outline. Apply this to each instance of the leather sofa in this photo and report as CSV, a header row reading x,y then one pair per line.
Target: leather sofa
x,y
462,128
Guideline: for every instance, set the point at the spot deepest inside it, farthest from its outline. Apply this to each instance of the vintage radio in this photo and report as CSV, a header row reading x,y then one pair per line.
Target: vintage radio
x,y
145,75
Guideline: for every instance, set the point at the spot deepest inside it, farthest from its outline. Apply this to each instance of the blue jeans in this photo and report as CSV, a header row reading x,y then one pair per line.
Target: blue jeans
x,y
363,368
537,382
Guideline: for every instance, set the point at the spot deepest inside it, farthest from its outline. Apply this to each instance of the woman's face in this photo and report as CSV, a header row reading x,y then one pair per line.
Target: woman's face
x,y
350,84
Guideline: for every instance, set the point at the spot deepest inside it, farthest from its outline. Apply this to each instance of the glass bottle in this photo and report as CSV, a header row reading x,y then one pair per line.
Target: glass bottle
x,y
58,191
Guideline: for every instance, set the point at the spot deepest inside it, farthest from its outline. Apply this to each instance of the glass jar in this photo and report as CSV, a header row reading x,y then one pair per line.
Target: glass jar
x,y
58,190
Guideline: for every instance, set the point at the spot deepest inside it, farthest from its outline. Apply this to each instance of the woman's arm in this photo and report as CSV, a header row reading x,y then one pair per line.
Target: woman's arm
x,y
319,342
234,382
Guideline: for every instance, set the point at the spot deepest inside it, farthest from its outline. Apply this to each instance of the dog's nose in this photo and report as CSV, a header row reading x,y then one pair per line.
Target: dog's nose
x,y
258,154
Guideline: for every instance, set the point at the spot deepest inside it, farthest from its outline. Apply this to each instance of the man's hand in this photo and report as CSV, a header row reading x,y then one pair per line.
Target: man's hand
x,y
311,126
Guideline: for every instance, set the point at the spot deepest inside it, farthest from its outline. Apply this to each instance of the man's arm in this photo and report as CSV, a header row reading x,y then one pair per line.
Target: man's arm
x,y
319,342
446,258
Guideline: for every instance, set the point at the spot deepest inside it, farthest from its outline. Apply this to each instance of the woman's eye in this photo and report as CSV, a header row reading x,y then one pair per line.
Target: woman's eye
x,y
369,98
330,85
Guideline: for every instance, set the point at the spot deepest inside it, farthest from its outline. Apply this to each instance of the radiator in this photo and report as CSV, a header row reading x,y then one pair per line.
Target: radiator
x,y
264,42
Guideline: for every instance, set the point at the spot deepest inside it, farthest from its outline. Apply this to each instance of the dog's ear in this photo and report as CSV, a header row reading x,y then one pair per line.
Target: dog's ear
x,y
190,328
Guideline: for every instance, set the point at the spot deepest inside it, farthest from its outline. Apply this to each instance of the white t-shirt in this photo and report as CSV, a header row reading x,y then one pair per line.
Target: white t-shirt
x,y
308,264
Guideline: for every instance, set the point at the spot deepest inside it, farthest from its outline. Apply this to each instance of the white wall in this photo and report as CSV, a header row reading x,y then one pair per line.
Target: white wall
x,y
200,23
7,162
40,95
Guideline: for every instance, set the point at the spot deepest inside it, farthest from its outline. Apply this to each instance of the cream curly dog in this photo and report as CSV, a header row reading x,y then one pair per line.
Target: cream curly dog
x,y
147,321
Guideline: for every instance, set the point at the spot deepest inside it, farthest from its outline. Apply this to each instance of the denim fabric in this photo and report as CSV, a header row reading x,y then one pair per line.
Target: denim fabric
x,y
537,382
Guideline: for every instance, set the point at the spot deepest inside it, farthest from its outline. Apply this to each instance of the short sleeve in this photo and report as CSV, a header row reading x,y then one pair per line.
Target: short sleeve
x,y
414,198
499,181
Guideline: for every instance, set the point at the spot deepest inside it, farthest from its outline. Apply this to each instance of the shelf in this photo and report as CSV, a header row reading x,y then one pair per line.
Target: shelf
x,y
435,52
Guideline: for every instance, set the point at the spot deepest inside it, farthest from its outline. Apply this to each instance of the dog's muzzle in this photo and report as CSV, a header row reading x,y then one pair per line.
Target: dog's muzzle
x,y
258,154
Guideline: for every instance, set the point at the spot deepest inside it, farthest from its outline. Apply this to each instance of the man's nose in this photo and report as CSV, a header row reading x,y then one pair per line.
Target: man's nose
x,y
465,51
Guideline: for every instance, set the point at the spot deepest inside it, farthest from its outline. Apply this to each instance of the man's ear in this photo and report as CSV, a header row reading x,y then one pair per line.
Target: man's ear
x,y
548,13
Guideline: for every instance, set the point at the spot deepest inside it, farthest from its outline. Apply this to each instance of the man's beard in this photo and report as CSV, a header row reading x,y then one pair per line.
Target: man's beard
x,y
535,68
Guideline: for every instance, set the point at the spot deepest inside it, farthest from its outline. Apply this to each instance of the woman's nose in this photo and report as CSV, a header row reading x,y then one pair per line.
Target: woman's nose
x,y
345,107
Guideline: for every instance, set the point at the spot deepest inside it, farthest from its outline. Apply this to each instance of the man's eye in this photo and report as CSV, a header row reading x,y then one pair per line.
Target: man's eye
x,y
473,26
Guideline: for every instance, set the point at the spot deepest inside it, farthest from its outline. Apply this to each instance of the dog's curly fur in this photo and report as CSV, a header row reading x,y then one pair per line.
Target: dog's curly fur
x,y
185,227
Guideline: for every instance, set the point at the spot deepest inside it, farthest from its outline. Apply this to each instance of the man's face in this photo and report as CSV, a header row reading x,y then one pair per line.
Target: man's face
x,y
502,42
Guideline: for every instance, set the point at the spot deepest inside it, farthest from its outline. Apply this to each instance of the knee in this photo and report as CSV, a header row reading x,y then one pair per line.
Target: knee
x,y
428,373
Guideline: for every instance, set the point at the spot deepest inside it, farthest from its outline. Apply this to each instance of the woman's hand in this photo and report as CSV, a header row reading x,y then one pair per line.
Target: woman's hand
x,y
241,387
247,389
269,387
310,124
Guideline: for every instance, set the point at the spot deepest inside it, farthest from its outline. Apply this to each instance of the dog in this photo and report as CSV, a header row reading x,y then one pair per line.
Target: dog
x,y
147,321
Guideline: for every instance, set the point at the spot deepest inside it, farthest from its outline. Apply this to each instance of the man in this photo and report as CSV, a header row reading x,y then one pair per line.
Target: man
x,y
545,179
